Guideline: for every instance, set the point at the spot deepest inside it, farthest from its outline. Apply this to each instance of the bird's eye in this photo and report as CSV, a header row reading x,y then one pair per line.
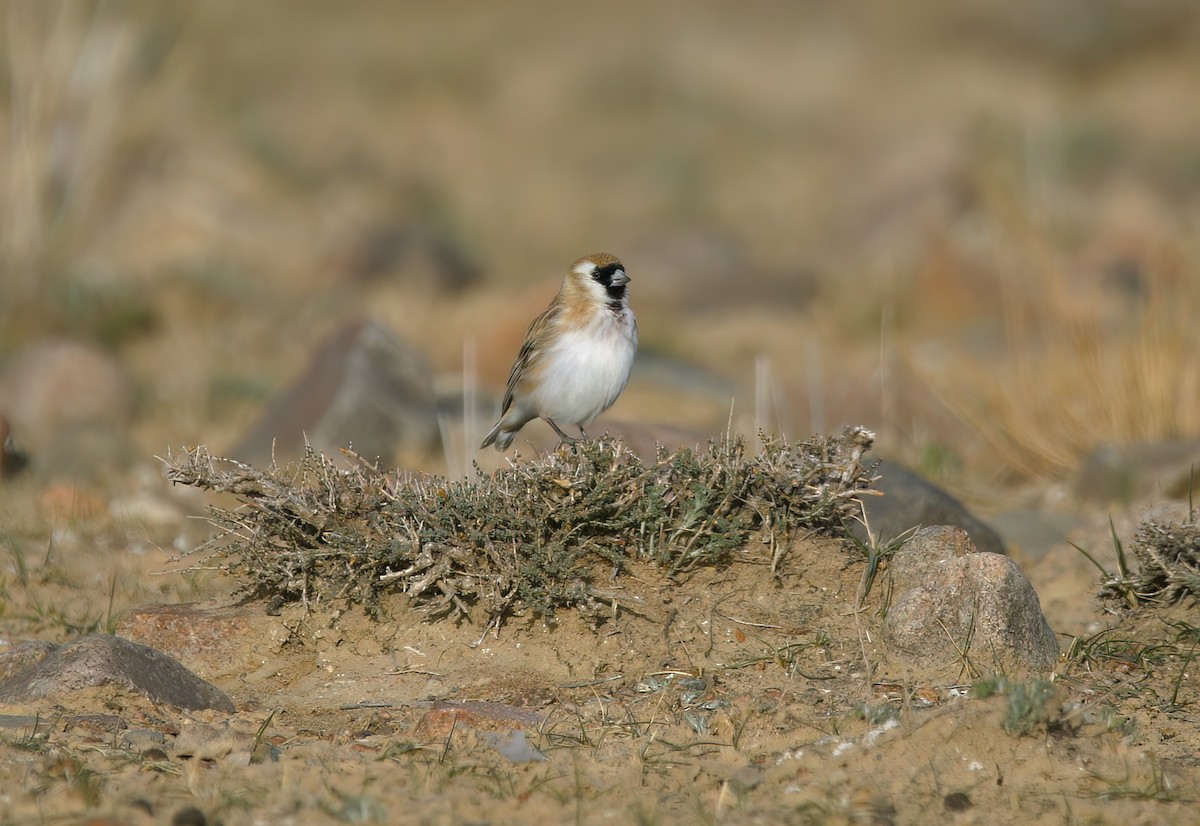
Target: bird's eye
x,y
604,274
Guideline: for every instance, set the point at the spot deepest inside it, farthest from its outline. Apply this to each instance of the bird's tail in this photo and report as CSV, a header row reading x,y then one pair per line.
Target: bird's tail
x,y
499,436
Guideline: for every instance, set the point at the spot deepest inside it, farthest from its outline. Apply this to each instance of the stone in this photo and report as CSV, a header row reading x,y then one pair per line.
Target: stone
x,y
70,403
364,388
909,501
501,726
214,642
1031,533
410,253
202,741
23,656
1126,473
909,183
103,659
952,603
57,384
481,715
691,269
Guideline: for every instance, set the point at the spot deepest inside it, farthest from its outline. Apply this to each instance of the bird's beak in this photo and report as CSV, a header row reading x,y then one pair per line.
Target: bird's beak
x,y
619,278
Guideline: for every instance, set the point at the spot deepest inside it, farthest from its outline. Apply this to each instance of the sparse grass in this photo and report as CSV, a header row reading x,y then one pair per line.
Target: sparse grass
x,y
1118,584
876,554
1029,705
34,739
1154,785
1121,661
533,536
27,599
1111,648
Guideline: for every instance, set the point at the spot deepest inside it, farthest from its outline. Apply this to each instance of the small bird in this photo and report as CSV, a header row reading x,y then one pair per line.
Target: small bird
x,y
12,459
577,354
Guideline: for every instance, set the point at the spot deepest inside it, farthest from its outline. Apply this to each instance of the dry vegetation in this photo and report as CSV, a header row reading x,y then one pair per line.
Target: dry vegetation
x,y
535,536
1168,566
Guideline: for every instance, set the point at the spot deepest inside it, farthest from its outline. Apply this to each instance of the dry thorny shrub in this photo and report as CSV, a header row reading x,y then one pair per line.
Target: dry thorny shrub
x,y
1168,556
534,535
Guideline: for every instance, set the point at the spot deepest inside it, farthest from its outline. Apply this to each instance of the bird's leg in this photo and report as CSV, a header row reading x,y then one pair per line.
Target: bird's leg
x,y
583,433
565,438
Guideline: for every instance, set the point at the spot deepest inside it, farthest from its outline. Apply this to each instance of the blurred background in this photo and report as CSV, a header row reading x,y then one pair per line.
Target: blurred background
x,y
970,226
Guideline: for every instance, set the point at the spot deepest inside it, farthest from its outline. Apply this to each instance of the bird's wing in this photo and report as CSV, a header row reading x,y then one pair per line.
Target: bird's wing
x,y
531,351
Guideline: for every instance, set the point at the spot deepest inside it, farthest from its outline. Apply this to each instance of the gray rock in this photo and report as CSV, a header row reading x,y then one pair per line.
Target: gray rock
x,y
695,268
1082,37
102,659
1125,473
57,384
69,405
908,502
212,641
23,656
906,184
363,388
952,603
706,269
409,252
1030,533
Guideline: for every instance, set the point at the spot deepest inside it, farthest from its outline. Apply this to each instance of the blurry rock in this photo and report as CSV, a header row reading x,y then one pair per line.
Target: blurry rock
x,y
364,388
202,741
102,659
1125,473
23,656
498,725
213,641
1030,534
677,375
410,252
909,501
697,269
483,715
190,816
905,186
60,384
951,603
1078,35
688,269
71,404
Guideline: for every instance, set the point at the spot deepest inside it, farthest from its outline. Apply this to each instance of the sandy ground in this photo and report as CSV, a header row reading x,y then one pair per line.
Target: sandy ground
x,y
728,697
967,226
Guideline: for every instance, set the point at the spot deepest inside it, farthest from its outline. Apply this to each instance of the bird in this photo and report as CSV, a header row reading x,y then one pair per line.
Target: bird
x,y
577,355
12,459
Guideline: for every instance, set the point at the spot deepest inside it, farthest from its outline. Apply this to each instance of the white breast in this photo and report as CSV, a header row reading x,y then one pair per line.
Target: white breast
x,y
587,369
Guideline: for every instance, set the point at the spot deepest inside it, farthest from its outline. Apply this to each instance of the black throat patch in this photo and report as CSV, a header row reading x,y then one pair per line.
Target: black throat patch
x,y
604,277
